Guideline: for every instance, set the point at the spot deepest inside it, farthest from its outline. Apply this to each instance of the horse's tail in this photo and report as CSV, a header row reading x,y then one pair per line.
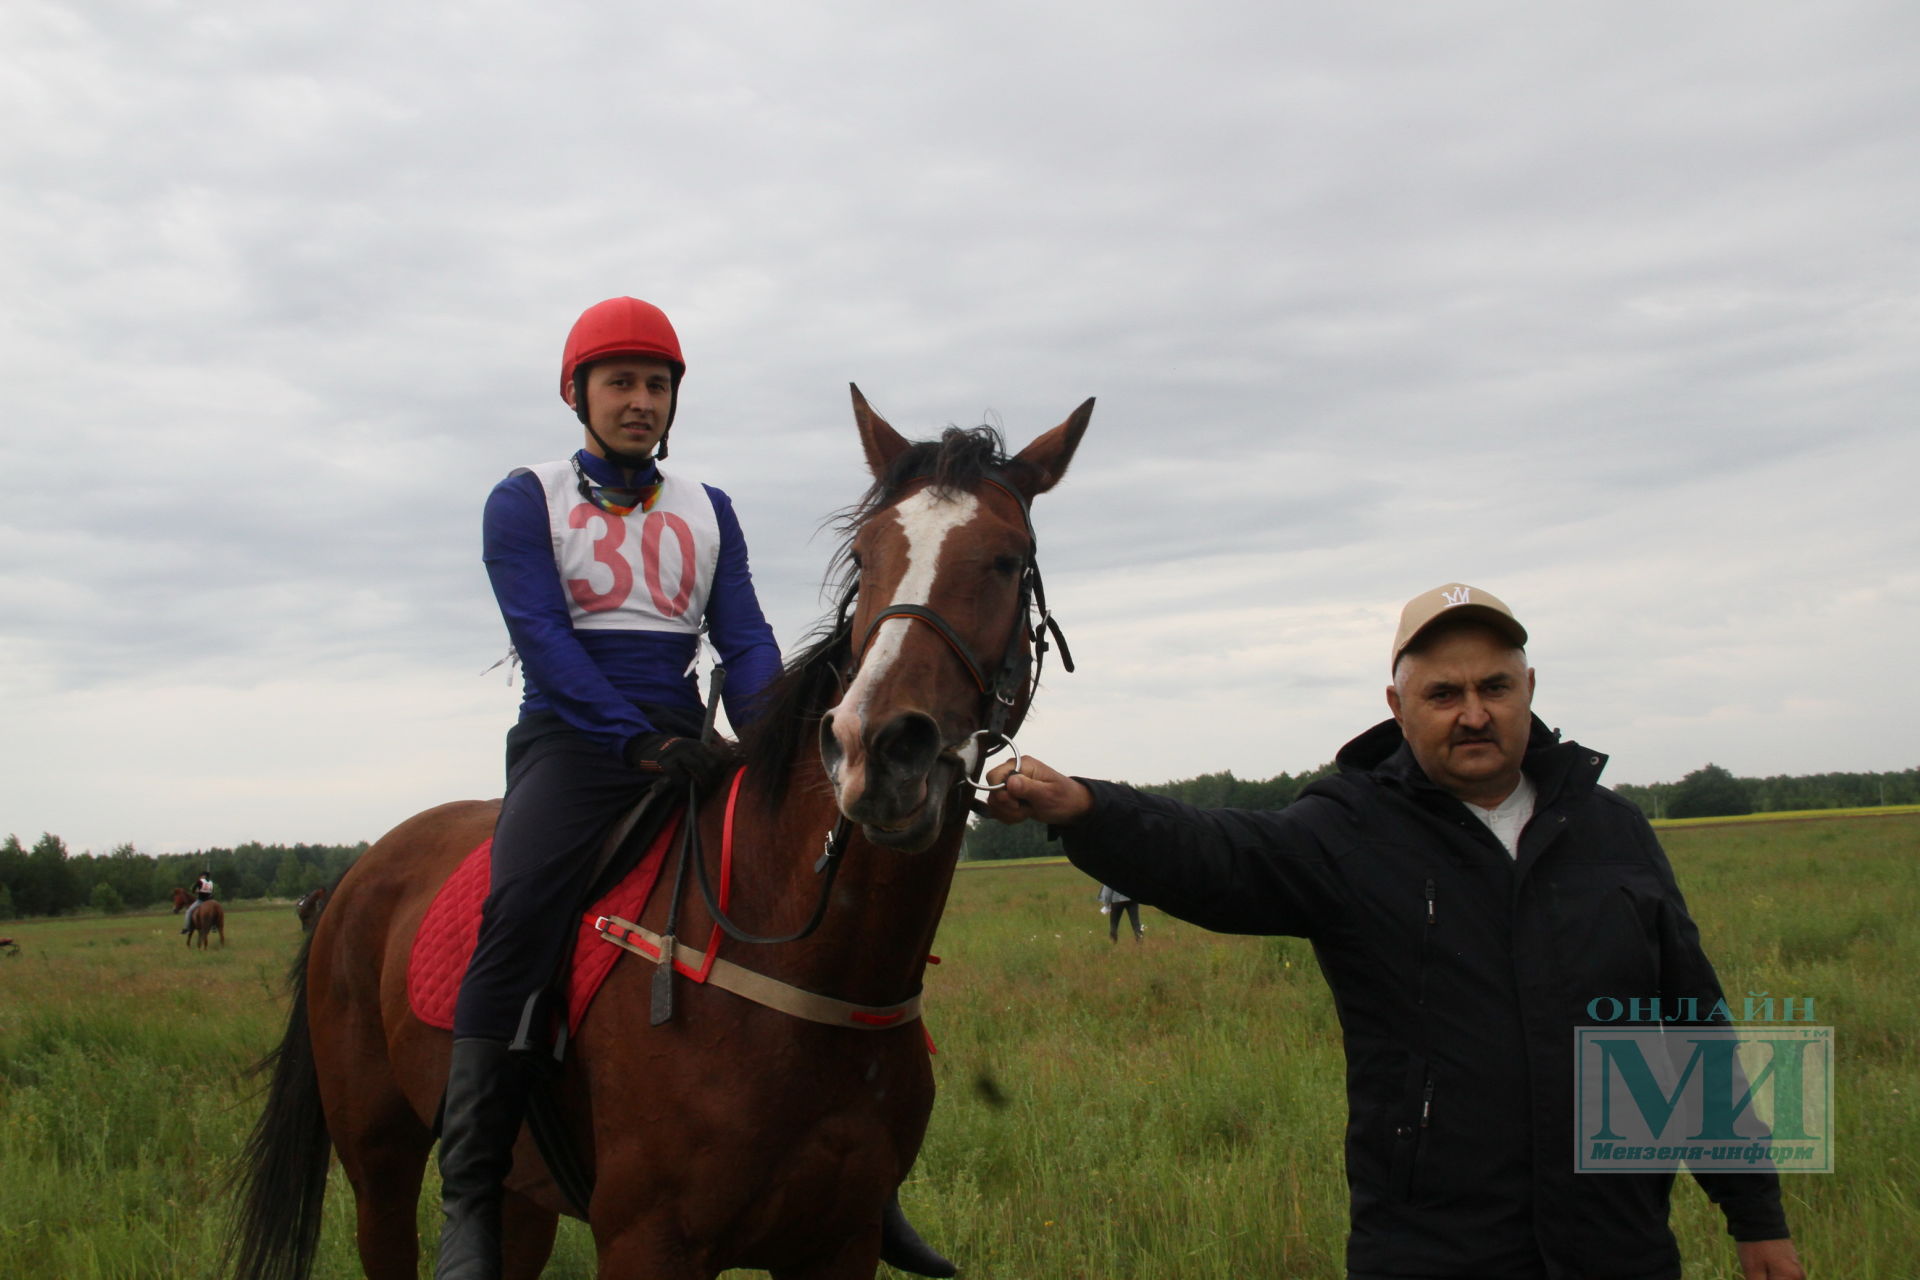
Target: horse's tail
x,y
282,1174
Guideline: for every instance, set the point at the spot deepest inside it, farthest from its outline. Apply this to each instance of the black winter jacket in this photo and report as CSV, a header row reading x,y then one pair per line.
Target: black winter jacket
x,y
1459,974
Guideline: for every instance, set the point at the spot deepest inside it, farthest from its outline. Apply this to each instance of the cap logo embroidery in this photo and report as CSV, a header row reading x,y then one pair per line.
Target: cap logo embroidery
x,y
1457,596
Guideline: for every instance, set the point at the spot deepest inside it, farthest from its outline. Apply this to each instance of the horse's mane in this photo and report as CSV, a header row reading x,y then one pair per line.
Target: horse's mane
x,y
788,711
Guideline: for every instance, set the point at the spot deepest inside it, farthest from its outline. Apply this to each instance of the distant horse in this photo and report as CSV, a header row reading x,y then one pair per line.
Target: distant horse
x,y
207,918
308,908
733,1135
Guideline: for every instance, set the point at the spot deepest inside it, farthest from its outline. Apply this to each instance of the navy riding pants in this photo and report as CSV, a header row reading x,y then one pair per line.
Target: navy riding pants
x,y
564,792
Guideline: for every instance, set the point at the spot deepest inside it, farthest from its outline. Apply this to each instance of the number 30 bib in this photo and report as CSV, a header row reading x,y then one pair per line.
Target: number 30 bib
x,y
646,571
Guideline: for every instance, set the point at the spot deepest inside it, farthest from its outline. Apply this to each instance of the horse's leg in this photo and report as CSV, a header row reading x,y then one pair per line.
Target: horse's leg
x,y
385,1158
526,1237
381,1139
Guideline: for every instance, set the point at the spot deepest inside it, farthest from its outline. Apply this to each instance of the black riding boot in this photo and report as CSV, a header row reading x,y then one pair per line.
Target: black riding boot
x,y
486,1099
902,1248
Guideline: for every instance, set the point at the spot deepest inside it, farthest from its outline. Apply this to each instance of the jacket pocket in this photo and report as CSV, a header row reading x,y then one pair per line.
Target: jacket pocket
x,y
1605,932
1411,1122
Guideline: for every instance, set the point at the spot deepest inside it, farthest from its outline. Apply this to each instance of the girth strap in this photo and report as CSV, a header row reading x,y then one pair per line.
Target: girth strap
x,y
758,987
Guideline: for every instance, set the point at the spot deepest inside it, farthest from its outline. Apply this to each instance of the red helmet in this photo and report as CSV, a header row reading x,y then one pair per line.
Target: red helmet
x,y
620,326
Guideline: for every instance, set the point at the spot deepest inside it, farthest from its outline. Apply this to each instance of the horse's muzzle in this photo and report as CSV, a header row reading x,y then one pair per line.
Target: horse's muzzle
x,y
893,780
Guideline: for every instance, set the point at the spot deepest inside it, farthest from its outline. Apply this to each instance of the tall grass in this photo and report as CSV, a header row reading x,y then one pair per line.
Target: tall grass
x,y
1168,1109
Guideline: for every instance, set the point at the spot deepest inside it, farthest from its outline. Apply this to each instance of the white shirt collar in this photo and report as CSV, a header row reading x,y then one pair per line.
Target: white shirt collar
x,y
1509,818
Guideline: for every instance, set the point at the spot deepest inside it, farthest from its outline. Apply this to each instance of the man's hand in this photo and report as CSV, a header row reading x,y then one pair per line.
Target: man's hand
x,y
1770,1260
680,760
1037,793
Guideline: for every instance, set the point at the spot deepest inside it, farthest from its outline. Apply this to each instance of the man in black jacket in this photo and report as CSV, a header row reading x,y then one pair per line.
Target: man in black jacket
x,y
1469,889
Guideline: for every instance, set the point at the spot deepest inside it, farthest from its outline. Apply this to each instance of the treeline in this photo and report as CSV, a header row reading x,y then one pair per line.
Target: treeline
x,y
1714,792
47,880
1708,792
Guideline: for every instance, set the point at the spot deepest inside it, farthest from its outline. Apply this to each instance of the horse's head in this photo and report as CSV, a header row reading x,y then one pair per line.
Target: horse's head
x,y
940,632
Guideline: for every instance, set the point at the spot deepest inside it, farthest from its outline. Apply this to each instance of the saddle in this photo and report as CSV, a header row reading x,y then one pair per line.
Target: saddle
x,y
631,858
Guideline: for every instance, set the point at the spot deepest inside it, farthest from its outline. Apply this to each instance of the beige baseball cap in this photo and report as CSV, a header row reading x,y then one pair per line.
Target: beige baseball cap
x,y
1455,599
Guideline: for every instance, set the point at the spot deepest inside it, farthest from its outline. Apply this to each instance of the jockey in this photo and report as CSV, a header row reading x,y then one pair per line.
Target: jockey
x,y
202,892
607,571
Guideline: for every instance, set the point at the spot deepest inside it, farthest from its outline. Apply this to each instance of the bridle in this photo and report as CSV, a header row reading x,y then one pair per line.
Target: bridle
x,y
1011,686
1005,692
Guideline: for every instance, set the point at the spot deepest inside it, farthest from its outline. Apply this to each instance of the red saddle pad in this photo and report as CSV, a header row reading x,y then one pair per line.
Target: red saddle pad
x,y
451,929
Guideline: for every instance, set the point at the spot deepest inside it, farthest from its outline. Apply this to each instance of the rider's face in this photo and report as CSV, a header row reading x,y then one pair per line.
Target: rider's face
x,y
628,400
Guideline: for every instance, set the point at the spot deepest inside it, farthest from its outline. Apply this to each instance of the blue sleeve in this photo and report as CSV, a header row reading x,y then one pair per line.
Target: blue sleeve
x,y
735,624
518,552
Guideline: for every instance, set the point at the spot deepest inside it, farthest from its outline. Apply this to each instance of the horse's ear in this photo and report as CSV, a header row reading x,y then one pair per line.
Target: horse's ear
x,y
1049,455
882,443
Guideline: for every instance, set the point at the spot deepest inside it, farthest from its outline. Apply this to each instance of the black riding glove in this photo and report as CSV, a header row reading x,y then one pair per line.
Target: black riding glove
x,y
680,760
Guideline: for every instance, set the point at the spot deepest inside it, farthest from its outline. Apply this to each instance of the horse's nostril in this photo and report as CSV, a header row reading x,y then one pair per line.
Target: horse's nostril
x,y
830,749
908,745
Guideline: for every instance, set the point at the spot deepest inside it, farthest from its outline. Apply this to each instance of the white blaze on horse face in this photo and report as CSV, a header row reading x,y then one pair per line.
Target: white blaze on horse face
x,y
925,519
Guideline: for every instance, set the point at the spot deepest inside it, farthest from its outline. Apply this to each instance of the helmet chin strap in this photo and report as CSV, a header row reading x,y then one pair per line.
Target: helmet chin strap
x,y
627,462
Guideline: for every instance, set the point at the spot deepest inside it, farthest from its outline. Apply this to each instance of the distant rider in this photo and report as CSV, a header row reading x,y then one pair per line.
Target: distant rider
x,y
202,892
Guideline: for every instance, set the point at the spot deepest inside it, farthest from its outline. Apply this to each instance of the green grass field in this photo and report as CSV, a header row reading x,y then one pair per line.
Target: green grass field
x,y
1166,1110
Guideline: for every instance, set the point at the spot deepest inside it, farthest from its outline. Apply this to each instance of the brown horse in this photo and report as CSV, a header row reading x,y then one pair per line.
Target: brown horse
x,y
733,1135
308,908
207,918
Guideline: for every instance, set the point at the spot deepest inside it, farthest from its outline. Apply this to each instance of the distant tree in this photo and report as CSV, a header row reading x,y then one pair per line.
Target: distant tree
x,y
1224,791
47,885
290,879
6,902
128,870
1711,792
106,900
164,877
13,865
990,841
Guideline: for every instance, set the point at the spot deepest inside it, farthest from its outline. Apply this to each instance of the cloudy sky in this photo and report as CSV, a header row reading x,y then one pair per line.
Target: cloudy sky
x,y
1610,308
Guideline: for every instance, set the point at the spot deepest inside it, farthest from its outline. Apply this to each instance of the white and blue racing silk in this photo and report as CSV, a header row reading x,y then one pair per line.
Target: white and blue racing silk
x,y
606,611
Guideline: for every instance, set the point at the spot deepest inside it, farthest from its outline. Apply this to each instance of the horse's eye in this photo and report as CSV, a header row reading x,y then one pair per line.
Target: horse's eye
x,y
1006,564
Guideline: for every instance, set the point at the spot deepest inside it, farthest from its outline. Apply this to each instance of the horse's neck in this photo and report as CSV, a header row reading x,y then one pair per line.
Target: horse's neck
x,y
871,946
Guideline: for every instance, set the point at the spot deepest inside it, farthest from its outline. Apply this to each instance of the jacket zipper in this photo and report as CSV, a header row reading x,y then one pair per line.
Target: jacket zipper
x,y
1426,943
1426,1101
